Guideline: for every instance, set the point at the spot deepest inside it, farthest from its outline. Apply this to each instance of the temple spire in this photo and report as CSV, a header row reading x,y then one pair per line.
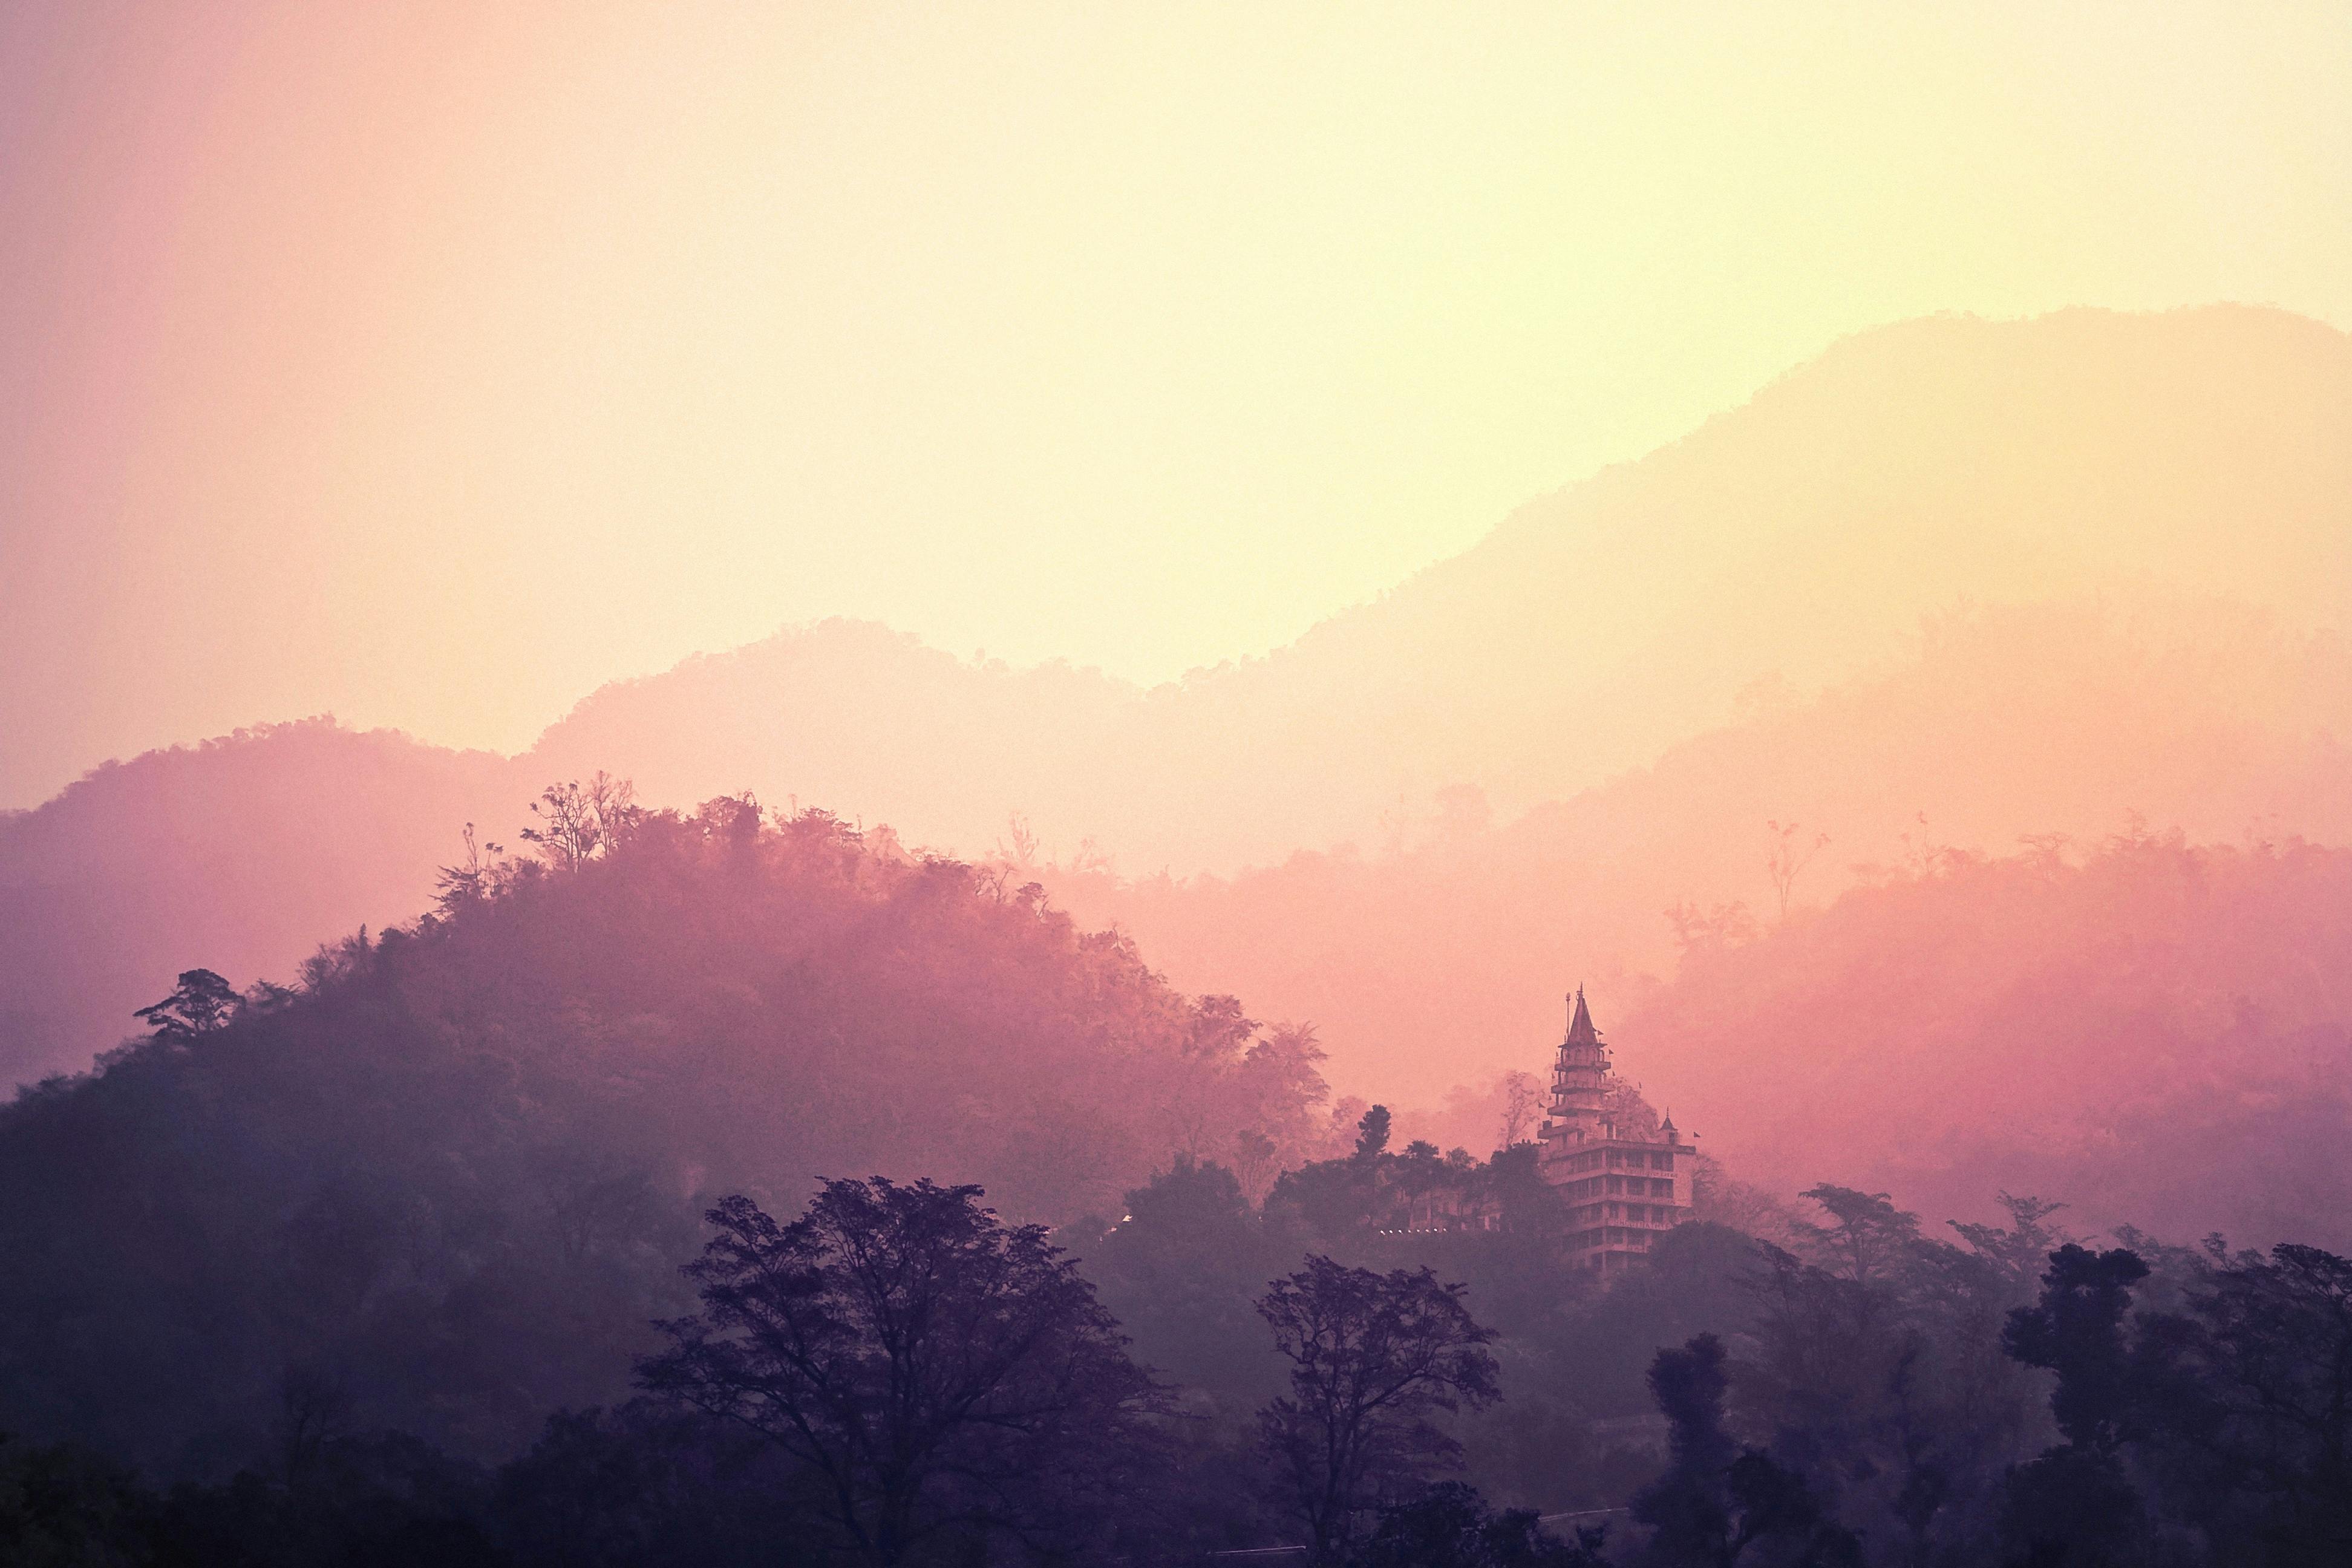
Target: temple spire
x,y
1581,1031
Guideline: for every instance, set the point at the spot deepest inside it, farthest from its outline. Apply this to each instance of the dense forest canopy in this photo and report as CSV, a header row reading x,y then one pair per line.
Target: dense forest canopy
x,y
458,1161
386,1264
898,1376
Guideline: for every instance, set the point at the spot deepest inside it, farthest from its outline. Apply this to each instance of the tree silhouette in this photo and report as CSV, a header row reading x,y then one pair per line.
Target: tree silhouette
x,y
1373,1356
200,1004
1787,858
2075,1504
1717,1498
577,821
2076,1330
941,1372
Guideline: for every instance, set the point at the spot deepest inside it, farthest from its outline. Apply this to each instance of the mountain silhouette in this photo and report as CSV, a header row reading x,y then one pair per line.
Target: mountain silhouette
x,y
2194,464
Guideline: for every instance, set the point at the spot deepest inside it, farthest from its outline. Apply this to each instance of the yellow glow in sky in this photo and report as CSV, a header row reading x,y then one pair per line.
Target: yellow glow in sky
x,y
433,367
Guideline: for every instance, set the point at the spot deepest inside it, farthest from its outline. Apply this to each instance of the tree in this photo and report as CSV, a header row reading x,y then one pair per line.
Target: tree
x,y
1716,1497
1867,1240
1450,1526
1254,1167
2269,1416
1180,1271
469,880
1373,1357
1018,847
2018,1251
1787,858
200,1004
2075,1329
2075,1504
1372,1133
1281,1084
944,1373
1522,1099
577,821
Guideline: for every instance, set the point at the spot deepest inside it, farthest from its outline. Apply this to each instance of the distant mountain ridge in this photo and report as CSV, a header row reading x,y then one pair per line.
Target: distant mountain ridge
x,y
240,855
1438,961
1798,542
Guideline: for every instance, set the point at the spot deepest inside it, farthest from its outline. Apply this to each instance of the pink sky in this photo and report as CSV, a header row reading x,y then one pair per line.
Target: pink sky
x,y
433,367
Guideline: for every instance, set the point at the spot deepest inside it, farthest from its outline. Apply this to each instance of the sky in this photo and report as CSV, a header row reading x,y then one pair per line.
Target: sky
x,y
431,365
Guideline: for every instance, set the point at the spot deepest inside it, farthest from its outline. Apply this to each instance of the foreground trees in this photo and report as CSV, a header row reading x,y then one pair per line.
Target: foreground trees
x,y
1450,1526
943,1373
897,1377
1373,1357
1718,1498
2273,1346
2229,1420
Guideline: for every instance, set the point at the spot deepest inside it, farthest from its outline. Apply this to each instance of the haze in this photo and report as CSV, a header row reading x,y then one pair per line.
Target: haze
x,y
1620,739
434,369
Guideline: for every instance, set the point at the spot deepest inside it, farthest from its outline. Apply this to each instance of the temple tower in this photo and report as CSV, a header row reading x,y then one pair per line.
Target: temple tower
x,y
1624,1183
1579,1076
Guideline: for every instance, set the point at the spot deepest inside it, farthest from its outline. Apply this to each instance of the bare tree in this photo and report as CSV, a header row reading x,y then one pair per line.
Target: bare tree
x,y
1522,1099
1018,847
1788,857
578,822
470,880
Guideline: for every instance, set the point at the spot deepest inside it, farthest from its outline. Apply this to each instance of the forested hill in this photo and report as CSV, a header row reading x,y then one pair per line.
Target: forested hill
x,y
1436,961
237,855
2151,516
451,1169
2153,1032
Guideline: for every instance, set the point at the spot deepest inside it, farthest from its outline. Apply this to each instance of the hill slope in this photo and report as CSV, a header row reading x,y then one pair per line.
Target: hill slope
x,y
1797,541
239,856
2201,458
452,1176
2159,1035
1440,961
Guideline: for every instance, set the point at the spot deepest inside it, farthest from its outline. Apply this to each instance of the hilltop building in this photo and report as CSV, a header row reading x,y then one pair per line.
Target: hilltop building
x,y
1624,1183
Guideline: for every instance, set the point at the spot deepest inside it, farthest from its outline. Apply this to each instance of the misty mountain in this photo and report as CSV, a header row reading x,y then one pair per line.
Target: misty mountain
x,y
241,856
2154,1033
1787,545
449,1174
1628,677
1438,959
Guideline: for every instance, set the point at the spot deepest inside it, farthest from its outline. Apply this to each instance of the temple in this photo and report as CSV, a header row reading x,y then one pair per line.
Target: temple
x,y
1624,1183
